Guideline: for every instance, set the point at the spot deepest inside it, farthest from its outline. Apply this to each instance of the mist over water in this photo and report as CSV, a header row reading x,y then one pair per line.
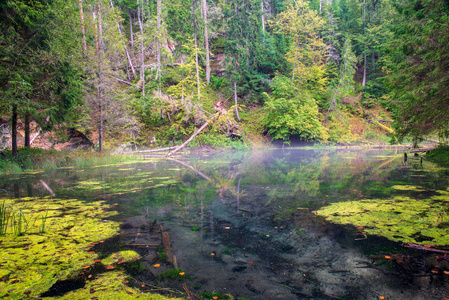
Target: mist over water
x,y
245,223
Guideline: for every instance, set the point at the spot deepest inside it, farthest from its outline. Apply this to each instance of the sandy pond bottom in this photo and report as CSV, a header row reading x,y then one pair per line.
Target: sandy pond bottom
x,y
246,254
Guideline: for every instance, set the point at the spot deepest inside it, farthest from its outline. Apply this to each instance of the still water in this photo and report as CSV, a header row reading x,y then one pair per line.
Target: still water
x,y
252,224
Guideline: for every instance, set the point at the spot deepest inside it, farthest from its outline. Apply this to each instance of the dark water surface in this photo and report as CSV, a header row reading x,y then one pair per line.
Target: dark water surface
x,y
244,223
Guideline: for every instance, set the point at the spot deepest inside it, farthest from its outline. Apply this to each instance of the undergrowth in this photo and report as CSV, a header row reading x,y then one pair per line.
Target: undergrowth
x,y
439,155
30,159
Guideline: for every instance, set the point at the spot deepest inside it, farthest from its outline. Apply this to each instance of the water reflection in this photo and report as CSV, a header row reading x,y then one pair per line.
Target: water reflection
x,y
254,212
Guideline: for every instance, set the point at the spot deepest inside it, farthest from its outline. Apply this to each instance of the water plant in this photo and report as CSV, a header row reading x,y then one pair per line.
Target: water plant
x,y
57,249
402,219
4,218
19,223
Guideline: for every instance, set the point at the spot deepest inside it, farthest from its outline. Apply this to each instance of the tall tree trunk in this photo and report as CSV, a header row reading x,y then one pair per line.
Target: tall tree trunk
x,y
128,57
27,130
364,52
196,52
100,80
263,17
83,31
296,58
235,101
182,80
206,41
142,59
14,130
131,34
158,43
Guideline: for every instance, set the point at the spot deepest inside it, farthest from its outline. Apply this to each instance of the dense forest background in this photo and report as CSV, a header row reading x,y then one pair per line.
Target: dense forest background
x,y
152,72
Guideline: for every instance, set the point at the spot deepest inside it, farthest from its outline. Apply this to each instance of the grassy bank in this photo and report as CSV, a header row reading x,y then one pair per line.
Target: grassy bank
x,y
439,155
29,159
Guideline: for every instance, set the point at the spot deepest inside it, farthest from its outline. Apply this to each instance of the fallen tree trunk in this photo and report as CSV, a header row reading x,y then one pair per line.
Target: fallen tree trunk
x,y
189,140
151,150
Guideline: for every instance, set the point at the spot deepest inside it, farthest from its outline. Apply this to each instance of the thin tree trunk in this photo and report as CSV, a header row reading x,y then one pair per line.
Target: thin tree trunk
x,y
263,18
158,43
131,34
364,52
14,130
206,41
196,52
296,58
27,130
235,101
100,80
128,57
83,31
182,80
142,59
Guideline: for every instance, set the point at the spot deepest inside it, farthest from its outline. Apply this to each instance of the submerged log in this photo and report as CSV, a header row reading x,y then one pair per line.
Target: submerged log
x,y
424,248
166,245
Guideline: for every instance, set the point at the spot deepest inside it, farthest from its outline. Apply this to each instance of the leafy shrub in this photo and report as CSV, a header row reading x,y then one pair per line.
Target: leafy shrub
x,y
291,111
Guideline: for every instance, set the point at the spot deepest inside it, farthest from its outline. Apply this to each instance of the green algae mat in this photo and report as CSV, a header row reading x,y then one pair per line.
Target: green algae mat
x,y
400,218
45,240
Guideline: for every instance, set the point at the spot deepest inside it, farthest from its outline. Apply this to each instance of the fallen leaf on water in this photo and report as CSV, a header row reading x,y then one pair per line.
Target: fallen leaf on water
x,y
157,265
109,267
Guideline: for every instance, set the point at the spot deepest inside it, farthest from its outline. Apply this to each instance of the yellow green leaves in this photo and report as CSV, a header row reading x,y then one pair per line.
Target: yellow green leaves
x,y
307,49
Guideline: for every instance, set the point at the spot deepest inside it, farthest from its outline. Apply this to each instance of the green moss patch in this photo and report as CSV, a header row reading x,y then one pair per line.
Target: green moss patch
x,y
408,188
400,219
121,257
51,248
111,285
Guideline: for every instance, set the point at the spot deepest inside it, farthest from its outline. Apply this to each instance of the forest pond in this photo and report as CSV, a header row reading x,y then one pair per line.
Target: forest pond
x,y
271,224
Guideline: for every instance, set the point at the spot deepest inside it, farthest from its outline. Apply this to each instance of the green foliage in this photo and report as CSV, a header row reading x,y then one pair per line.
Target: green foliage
x,y
416,68
292,112
175,274
439,155
217,140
